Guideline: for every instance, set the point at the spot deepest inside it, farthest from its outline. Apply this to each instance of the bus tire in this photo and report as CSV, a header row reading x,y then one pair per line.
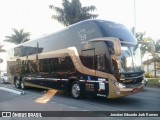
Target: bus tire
x,y
17,83
76,91
22,84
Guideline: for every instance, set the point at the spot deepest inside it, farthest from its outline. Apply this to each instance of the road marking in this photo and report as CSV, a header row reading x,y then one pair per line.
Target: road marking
x,y
12,90
46,97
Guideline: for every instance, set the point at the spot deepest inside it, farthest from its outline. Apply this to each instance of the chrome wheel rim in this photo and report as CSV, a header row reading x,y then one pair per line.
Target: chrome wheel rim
x,y
22,84
76,90
17,83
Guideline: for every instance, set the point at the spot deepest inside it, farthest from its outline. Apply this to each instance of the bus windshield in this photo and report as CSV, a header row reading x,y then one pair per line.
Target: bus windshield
x,y
130,59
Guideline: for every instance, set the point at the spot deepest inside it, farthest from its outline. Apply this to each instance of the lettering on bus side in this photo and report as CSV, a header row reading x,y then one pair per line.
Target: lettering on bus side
x,y
89,87
85,34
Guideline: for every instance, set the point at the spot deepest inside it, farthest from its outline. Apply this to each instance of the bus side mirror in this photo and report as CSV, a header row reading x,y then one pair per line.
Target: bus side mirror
x,y
116,43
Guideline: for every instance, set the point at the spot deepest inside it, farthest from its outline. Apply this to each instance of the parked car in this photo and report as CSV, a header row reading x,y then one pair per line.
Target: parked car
x,y
4,78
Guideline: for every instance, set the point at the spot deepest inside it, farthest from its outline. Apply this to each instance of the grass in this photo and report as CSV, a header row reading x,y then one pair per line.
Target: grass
x,y
153,82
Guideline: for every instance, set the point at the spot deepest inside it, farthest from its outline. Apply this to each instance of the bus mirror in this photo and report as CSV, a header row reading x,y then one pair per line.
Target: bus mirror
x,y
114,40
1,60
151,44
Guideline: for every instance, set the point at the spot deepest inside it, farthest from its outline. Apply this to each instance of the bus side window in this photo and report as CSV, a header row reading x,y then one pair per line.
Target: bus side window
x,y
111,48
101,62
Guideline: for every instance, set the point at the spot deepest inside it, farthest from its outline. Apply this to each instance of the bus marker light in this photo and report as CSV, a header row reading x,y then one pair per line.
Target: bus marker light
x,y
99,90
135,90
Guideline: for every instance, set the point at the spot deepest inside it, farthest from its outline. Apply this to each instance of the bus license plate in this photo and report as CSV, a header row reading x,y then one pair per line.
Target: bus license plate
x,y
135,90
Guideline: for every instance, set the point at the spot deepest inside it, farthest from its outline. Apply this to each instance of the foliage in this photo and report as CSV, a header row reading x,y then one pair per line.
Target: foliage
x,y
140,36
157,46
153,82
18,37
148,75
154,59
147,47
72,12
2,50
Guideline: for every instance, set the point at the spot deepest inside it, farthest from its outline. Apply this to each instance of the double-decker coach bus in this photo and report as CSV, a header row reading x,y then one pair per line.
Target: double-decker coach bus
x,y
94,57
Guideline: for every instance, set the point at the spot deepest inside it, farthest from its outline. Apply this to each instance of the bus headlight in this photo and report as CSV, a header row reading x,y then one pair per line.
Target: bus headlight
x,y
120,85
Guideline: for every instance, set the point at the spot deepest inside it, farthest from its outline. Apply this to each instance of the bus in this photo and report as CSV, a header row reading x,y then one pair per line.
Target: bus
x,y
92,57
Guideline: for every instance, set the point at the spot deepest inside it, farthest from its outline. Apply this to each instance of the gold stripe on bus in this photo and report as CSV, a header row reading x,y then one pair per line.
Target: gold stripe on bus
x,y
73,53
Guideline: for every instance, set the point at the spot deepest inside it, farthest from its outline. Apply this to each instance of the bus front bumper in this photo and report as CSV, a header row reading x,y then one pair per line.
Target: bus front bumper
x,y
128,91
117,92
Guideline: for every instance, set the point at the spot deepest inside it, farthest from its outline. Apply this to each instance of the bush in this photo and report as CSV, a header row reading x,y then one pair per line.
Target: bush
x,y
153,82
148,75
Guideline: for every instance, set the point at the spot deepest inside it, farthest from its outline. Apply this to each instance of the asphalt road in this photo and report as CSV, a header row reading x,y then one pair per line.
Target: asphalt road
x,y
41,100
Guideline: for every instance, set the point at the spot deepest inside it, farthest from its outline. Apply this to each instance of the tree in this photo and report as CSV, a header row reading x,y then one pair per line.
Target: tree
x,y
140,36
2,50
157,46
18,37
72,12
148,48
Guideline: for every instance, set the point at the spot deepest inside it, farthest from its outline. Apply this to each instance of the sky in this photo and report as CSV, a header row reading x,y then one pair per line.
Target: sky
x,y
34,16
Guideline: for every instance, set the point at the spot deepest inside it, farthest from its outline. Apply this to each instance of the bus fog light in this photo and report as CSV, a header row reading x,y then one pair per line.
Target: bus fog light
x,y
120,85
118,92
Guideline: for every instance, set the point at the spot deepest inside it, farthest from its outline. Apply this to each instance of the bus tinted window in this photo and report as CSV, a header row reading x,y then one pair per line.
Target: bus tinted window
x,y
117,30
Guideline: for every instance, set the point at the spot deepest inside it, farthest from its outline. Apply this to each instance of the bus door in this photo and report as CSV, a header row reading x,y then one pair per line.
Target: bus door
x,y
87,58
88,61
102,67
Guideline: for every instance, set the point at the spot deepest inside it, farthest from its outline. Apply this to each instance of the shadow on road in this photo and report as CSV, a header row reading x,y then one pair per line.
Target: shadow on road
x,y
147,99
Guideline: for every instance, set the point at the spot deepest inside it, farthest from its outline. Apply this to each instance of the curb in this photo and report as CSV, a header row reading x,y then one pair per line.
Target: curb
x,y
12,90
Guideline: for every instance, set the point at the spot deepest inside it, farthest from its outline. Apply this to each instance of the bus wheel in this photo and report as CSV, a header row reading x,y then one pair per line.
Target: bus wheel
x,y
17,83
22,84
76,90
